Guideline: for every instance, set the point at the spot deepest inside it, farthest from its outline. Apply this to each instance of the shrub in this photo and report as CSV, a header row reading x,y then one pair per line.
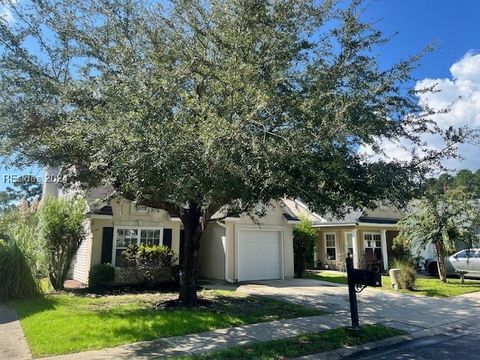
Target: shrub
x,y
17,281
150,264
408,274
304,237
61,224
101,274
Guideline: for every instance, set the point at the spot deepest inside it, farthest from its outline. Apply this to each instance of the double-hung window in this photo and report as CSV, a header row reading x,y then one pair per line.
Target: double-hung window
x,y
150,236
330,246
373,242
125,236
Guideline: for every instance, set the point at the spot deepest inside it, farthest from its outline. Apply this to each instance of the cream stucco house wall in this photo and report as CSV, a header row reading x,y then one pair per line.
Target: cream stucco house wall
x,y
357,233
232,249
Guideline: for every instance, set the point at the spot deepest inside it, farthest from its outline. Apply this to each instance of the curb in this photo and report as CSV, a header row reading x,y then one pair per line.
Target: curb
x,y
344,352
452,329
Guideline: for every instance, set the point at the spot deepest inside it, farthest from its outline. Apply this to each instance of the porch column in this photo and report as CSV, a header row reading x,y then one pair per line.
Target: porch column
x,y
356,263
384,250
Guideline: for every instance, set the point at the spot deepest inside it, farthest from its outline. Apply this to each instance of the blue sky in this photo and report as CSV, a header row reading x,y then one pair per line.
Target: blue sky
x,y
454,67
455,27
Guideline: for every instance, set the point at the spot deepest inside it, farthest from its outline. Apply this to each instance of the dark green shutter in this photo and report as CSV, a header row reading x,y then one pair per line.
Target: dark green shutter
x,y
107,245
167,238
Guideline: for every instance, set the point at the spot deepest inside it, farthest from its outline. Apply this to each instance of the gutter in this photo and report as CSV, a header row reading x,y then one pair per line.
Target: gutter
x,y
99,216
354,224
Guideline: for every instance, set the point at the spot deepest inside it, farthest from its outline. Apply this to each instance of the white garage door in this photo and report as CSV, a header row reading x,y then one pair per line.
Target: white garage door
x,y
259,255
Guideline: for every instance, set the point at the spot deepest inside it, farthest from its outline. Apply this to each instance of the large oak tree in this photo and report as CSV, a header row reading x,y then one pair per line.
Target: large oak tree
x,y
195,105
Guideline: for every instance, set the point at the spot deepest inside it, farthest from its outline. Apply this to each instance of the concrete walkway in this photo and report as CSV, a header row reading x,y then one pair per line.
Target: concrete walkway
x,y
13,344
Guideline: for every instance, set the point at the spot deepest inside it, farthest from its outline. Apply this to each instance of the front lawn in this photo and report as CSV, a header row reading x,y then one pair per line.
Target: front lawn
x,y
58,324
326,275
424,286
307,344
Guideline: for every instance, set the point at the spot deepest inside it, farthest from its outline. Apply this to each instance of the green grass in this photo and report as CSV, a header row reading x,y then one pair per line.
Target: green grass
x,y
58,324
330,276
434,287
301,345
424,286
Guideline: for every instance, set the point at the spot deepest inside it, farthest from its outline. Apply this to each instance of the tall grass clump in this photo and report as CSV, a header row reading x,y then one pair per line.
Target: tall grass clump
x,y
408,273
17,280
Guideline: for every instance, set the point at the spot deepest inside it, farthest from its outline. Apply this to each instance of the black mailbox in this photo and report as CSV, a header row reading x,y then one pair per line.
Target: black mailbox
x,y
365,277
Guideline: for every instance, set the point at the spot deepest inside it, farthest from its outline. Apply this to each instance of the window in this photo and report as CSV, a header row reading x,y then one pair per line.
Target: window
x,y
465,254
150,237
134,236
330,246
373,243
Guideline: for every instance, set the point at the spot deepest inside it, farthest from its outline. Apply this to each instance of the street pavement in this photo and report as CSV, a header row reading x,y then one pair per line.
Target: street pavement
x,y
457,345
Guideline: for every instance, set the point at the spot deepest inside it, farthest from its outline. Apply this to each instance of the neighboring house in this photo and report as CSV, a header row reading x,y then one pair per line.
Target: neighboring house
x,y
233,249
368,235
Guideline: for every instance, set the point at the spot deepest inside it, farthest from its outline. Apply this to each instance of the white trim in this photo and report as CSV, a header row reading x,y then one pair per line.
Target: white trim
x,y
234,219
383,238
356,263
345,242
333,225
280,229
293,221
341,225
378,225
325,243
225,249
371,233
139,229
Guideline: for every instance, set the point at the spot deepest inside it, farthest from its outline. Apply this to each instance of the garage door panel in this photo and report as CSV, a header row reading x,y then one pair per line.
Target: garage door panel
x,y
259,255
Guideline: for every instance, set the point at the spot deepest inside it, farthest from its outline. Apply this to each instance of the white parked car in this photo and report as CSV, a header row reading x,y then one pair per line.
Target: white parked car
x,y
467,261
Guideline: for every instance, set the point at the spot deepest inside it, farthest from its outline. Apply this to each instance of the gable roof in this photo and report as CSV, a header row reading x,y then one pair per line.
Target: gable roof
x,y
296,209
383,214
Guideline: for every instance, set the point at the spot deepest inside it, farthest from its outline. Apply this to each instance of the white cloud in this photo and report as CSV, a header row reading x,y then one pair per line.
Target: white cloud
x,y
461,94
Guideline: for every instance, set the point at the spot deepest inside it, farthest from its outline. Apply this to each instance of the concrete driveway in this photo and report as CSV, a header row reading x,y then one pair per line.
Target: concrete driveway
x,y
406,311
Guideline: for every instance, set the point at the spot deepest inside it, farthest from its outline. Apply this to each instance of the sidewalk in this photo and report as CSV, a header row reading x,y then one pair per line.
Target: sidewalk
x,y
13,344
216,340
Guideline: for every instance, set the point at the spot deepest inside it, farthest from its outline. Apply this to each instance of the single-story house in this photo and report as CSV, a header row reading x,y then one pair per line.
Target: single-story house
x,y
233,249
367,235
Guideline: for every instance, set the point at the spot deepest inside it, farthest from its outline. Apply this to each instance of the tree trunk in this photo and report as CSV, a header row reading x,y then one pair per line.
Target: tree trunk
x,y
188,277
442,271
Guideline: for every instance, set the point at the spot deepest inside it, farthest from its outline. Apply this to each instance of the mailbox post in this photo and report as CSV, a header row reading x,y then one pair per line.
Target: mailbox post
x,y
357,281
352,294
